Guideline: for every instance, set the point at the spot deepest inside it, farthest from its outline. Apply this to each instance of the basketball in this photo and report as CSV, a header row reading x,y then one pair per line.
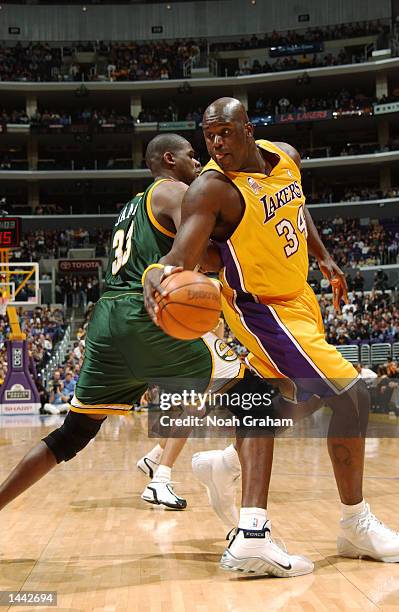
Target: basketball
x,y
192,306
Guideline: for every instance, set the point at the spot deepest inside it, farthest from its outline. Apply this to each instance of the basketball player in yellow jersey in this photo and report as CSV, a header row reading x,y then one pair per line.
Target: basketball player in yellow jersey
x,y
249,200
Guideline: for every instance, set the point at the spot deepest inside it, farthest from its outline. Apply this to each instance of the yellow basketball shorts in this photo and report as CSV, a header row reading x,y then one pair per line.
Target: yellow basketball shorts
x,y
286,341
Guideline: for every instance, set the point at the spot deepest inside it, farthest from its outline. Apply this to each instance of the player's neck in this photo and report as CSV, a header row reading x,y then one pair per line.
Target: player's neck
x,y
166,175
257,163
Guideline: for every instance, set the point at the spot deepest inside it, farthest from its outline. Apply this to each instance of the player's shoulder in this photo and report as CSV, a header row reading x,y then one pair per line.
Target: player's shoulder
x,y
213,182
290,151
211,190
167,196
169,187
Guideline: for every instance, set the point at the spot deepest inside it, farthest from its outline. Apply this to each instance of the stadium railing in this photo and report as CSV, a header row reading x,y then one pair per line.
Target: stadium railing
x,y
375,354
57,357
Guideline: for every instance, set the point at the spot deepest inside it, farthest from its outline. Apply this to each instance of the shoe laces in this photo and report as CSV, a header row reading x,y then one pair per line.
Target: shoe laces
x,y
369,522
279,542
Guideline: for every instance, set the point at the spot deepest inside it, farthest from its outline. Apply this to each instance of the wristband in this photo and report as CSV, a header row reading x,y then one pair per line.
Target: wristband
x,y
150,267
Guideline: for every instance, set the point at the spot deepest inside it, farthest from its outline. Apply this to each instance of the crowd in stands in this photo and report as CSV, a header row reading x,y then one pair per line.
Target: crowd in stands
x,y
44,328
91,116
355,148
384,387
302,62
363,148
341,101
150,61
323,193
77,291
33,62
132,61
367,318
336,101
351,194
55,244
353,244
316,34
59,389
171,113
13,116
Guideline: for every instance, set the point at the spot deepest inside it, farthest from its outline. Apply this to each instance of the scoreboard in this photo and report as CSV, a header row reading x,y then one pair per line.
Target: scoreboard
x,y
10,232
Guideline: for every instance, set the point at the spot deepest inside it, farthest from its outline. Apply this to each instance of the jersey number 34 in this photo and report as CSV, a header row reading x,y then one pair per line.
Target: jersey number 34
x,y
286,228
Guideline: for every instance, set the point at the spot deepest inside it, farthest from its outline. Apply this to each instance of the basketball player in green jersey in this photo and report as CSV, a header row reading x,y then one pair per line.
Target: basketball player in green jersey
x,y
124,350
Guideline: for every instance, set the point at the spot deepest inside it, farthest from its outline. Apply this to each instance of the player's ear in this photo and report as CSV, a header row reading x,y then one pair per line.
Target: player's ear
x,y
169,158
249,128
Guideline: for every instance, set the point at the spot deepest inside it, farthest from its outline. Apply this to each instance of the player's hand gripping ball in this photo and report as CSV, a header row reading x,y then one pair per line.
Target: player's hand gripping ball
x,y
191,307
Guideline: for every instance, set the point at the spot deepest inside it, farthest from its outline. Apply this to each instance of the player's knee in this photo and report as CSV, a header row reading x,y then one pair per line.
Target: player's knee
x,y
355,400
351,411
73,435
251,402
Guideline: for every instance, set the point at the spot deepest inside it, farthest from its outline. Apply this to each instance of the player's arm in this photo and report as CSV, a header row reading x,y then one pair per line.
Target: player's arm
x,y
327,265
315,245
199,212
166,205
212,261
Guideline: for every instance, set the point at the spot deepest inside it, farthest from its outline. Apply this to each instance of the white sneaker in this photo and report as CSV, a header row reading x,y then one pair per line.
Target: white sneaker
x,y
162,494
51,409
254,552
363,535
147,465
220,482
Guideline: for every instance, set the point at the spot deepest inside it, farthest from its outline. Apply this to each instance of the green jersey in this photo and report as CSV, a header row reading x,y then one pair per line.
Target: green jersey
x,y
138,240
124,350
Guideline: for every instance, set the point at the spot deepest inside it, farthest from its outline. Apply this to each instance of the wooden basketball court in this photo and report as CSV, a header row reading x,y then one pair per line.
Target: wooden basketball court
x,y
84,532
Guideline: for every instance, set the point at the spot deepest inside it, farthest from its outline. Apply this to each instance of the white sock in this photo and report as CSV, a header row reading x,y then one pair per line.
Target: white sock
x,y
230,455
155,453
163,474
252,518
349,511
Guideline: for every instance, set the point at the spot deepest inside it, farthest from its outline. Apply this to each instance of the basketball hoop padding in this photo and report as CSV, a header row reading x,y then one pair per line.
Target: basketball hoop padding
x,y
18,393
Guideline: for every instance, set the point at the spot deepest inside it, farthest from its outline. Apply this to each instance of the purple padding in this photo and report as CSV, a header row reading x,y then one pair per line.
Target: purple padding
x,y
18,393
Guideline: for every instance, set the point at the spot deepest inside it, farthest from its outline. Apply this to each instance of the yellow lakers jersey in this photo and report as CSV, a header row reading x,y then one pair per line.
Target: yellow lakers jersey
x,y
267,253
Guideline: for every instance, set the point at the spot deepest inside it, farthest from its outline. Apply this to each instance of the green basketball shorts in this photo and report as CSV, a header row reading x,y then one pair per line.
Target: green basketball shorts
x,y
125,352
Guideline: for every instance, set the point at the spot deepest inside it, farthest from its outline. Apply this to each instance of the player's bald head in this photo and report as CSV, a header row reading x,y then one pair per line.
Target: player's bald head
x,y
229,135
226,109
161,144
